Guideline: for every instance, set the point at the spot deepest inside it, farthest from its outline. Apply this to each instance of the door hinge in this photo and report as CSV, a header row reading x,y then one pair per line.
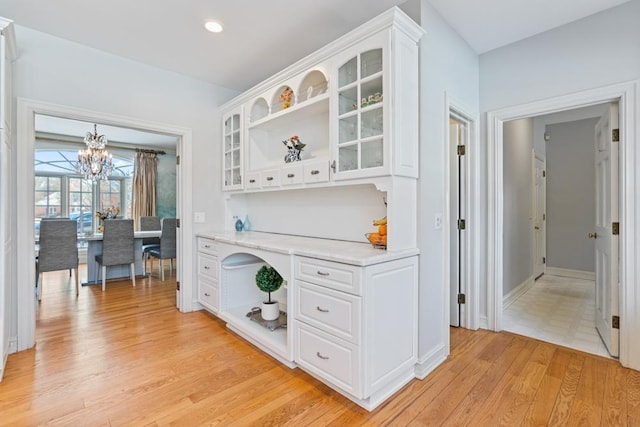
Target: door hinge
x,y
615,322
462,299
178,286
462,150
544,259
615,135
178,223
544,174
462,224
615,228
177,160
544,217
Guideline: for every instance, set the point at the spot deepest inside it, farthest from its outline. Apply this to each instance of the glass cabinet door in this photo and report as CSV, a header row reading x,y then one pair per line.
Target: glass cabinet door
x,y
360,112
232,154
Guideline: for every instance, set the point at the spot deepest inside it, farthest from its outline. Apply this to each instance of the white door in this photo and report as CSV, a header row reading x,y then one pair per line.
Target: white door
x,y
606,163
539,233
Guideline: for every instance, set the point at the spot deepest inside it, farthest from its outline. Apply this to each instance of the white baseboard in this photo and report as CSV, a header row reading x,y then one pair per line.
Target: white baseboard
x,y
515,293
575,274
430,361
484,323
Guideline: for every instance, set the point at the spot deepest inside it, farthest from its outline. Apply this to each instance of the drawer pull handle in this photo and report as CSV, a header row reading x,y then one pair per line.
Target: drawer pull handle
x,y
315,172
207,246
269,178
251,181
206,294
322,273
206,267
322,310
321,356
290,175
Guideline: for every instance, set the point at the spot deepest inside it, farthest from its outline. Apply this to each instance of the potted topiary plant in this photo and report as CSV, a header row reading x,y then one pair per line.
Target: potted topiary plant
x,y
269,280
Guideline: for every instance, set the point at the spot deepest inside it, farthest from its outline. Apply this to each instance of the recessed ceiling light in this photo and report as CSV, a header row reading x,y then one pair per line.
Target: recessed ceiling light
x,y
213,26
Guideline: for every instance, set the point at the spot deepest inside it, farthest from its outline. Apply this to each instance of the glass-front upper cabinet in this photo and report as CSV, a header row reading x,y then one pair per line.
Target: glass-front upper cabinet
x,y
360,149
232,149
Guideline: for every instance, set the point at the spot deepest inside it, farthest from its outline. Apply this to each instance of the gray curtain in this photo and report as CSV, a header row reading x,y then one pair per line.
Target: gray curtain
x,y
145,178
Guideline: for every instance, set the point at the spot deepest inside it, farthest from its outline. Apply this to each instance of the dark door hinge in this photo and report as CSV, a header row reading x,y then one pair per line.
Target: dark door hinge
x,y
462,299
615,228
178,223
178,286
544,260
462,224
615,135
462,150
615,322
544,174
177,160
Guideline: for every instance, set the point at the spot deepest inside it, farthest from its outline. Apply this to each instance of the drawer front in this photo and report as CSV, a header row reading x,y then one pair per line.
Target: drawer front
x,y
208,266
271,178
208,294
329,358
253,180
207,246
337,313
291,175
342,277
316,172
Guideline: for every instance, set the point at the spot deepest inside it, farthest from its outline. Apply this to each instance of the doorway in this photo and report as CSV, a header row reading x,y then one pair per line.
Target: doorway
x,y
624,94
26,112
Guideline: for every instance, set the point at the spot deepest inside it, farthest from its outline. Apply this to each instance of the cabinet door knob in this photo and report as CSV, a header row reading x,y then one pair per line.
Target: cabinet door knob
x,y
322,273
321,310
269,178
321,356
207,246
206,267
290,175
315,172
252,181
333,166
593,235
207,294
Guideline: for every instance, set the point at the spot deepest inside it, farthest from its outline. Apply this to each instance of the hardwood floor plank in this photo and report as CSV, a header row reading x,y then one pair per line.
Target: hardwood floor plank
x,y
128,357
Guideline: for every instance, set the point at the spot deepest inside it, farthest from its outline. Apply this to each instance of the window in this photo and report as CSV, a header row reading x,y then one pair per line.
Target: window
x,y
48,196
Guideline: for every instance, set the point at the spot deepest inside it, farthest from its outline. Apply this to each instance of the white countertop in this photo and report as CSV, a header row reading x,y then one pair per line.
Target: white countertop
x,y
360,254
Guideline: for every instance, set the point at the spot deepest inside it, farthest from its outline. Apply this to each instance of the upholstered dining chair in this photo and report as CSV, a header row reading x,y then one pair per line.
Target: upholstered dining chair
x,y
146,223
58,250
117,247
167,248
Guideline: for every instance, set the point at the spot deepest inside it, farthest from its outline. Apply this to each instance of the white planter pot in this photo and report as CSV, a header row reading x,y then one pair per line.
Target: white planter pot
x,y
270,310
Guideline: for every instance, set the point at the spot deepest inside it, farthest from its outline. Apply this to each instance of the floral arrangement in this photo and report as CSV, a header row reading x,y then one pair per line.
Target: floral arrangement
x,y
108,213
285,97
294,148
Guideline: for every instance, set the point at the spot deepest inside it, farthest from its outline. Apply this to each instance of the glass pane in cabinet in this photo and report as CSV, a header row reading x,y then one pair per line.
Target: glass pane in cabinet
x,y
348,158
370,62
227,125
371,92
236,139
227,160
236,176
371,154
348,100
348,73
227,177
236,121
236,157
348,129
227,143
371,123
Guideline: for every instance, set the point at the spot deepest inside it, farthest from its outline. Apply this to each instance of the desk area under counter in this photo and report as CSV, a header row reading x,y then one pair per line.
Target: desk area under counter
x,y
351,310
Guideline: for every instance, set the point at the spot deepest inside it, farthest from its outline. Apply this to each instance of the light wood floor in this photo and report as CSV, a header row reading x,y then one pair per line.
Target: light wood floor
x,y
128,357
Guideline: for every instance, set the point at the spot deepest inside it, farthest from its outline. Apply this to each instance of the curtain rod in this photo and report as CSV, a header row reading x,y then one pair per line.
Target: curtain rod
x,y
143,150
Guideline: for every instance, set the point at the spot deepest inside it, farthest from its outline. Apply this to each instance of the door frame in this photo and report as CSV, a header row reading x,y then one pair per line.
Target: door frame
x,y
26,111
535,156
470,316
627,95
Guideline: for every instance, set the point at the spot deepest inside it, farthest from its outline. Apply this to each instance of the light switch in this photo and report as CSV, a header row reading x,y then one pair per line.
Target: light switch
x,y
198,217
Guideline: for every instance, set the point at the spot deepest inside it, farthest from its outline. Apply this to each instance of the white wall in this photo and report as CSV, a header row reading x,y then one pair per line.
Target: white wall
x,y
518,187
596,51
447,65
54,70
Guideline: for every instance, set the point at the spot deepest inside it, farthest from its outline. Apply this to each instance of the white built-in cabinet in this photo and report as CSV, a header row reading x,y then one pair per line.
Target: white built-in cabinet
x,y
7,54
232,142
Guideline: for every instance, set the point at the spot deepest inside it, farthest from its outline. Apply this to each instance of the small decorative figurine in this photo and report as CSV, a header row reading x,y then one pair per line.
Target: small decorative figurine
x,y
294,147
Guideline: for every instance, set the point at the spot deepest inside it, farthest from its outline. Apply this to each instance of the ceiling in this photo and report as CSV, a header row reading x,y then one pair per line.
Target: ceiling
x,y
260,38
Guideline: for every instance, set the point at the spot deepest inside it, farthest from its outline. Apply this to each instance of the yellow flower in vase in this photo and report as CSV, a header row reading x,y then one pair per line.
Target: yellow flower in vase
x,y
285,97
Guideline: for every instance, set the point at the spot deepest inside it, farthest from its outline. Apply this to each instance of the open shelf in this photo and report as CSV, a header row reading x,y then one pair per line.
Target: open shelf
x,y
275,340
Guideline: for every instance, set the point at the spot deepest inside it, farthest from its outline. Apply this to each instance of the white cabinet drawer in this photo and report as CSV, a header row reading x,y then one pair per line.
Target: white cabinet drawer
x,y
316,172
291,175
253,180
208,266
270,178
207,246
342,277
208,294
337,313
329,358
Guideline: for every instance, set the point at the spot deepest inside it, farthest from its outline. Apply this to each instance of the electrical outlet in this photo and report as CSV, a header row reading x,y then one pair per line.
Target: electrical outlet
x,y
438,221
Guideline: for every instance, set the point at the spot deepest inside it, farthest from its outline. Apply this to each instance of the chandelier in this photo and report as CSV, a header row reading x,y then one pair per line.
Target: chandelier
x,y
94,162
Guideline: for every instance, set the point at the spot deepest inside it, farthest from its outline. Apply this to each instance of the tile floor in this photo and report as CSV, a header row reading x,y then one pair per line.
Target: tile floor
x,y
559,310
